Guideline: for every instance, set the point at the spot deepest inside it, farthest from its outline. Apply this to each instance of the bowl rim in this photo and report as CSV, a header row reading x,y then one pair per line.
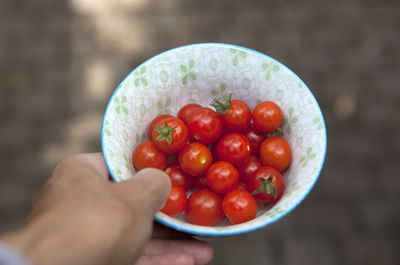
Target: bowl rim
x,y
245,229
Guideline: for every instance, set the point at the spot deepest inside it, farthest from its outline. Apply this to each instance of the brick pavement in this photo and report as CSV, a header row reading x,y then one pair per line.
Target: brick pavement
x,y
342,50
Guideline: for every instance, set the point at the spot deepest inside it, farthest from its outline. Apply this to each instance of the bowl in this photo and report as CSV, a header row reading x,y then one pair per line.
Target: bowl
x,y
198,73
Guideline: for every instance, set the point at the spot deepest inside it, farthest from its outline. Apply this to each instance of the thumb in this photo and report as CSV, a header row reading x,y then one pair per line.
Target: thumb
x,y
148,189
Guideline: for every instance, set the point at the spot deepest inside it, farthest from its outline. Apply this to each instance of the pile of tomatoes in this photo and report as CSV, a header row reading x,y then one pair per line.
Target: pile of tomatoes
x,y
227,159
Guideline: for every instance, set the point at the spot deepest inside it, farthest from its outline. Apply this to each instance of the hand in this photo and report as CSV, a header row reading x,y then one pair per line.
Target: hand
x,y
171,247
82,218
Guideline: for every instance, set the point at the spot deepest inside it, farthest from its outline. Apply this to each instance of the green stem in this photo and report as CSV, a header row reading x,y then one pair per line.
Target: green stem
x,y
220,107
266,186
165,133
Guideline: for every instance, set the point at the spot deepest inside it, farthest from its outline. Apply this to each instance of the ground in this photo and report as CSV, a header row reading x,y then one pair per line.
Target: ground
x,y
61,60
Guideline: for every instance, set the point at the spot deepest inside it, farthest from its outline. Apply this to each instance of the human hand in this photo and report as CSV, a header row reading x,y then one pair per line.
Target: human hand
x,y
168,246
80,217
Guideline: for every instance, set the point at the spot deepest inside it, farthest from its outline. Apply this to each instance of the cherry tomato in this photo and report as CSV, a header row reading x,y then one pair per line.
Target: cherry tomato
x,y
187,110
255,138
267,116
154,122
176,201
204,207
275,152
234,148
205,126
170,135
178,176
222,177
235,114
200,183
239,206
266,184
147,154
248,168
195,159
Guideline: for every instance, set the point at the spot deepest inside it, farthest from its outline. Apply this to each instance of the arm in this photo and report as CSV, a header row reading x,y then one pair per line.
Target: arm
x,y
80,217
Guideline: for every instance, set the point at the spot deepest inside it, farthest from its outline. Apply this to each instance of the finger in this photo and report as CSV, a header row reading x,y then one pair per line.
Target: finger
x,y
96,162
201,251
148,189
170,259
88,165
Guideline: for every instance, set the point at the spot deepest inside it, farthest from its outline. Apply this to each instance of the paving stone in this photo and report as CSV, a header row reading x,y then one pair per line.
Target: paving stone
x,y
341,49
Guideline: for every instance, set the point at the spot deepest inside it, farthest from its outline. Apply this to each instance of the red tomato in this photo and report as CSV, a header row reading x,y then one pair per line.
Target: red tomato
x,y
275,152
154,122
176,201
239,206
204,207
255,138
248,168
178,176
267,116
147,154
266,184
235,114
187,110
234,148
195,159
205,126
200,183
222,177
170,135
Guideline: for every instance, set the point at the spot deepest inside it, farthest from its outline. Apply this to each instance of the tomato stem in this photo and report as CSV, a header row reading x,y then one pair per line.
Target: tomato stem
x,y
165,133
222,108
266,186
278,131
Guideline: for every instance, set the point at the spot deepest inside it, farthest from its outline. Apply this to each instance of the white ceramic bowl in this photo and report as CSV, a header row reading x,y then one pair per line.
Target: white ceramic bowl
x,y
196,74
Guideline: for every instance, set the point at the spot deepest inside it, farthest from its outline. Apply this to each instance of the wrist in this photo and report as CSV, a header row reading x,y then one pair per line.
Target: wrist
x,y
28,243
16,241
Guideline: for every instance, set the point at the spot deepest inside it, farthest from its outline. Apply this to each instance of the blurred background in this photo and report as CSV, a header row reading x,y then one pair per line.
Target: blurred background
x,y
60,62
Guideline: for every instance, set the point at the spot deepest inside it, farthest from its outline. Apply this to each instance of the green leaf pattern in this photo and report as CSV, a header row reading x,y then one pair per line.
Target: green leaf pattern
x,y
218,92
121,105
188,73
139,79
238,55
290,121
309,155
270,68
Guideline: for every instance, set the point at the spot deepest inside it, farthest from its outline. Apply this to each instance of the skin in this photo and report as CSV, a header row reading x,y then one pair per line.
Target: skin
x,y
80,217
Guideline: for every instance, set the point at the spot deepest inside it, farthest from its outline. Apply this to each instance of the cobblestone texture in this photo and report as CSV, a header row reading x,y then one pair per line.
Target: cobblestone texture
x,y
346,51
